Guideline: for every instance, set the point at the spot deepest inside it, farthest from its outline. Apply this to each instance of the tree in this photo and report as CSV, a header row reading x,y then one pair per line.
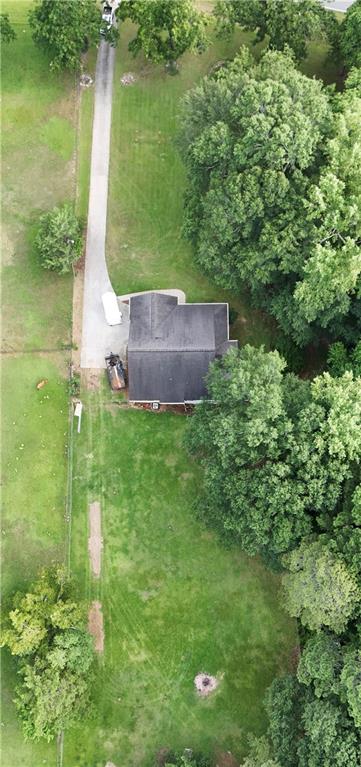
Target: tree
x,y
260,754
340,359
45,630
350,36
54,693
351,683
48,606
320,664
7,33
250,137
318,588
306,731
283,703
331,278
59,240
330,737
65,30
275,450
273,199
291,23
166,28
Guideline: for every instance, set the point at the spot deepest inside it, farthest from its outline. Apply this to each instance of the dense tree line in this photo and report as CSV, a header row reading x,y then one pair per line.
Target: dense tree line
x,y
290,23
273,199
281,459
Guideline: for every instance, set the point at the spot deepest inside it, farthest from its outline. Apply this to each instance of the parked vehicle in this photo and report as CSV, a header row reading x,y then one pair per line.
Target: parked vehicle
x,y
116,372
107,18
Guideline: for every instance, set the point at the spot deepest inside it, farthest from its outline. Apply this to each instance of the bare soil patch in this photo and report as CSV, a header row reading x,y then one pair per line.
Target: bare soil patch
x,y
95,542
91,378
205,684
128,79
95,625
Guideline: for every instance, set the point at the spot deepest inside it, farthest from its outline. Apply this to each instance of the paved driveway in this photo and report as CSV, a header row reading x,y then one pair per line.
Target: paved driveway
x,y
98,338
338,5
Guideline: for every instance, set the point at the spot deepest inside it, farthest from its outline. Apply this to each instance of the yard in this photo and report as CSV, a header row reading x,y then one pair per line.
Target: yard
x,y
175,601
38,171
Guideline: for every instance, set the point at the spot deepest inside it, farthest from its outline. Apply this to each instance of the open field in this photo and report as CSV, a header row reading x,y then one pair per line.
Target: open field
x,y
39,122
175,601
145,247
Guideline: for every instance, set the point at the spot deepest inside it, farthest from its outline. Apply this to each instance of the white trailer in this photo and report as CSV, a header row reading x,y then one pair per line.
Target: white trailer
x,y
112,312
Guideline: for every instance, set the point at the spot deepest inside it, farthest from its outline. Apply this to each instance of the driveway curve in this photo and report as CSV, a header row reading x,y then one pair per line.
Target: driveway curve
x,y
98,338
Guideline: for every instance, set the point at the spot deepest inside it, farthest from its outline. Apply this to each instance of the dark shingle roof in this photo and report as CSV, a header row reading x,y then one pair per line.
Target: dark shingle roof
x,y
171,345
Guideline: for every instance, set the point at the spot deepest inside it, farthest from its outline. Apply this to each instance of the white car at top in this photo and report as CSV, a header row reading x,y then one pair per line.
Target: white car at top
x,y
108,16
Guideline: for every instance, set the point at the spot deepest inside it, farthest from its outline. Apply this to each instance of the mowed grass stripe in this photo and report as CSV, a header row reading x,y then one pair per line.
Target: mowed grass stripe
x,y
175,602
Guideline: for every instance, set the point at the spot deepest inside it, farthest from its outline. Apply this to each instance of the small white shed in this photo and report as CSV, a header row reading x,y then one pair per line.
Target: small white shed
x,y
112,312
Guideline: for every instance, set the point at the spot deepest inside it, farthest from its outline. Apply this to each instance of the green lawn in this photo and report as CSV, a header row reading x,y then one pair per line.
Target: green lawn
x,y
175,601
145,247
39,121
38,171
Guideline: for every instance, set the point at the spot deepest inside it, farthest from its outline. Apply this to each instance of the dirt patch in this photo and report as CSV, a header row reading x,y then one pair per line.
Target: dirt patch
x,y
95,542
91,378
128,79
95,625
205,684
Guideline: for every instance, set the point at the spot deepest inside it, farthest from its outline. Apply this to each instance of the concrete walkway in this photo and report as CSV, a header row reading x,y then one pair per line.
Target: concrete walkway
x,y
98,338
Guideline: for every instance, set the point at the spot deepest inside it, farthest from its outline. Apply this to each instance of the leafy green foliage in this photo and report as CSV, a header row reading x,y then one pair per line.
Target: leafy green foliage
x,y
320,664
306,731
260,754
59,240
340,359
350,682
39,613
273,199
275,450
350,42
332,274
7,33
54,693
65,30
283,703
290,23
165,29
318,588
45,630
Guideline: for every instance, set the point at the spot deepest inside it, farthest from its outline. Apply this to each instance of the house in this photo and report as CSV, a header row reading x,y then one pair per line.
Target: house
x,y
171,345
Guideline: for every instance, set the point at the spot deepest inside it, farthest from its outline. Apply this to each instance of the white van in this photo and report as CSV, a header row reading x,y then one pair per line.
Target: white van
x,y
112,312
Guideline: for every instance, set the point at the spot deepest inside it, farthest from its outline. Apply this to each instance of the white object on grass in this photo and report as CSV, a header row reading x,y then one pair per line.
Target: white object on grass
x,y
78,412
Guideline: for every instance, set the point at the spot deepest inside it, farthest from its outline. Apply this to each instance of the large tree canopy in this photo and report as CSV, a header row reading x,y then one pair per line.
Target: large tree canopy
x,y
319,589
290,23
276,450
45,629
350,36
65,29
306,731
166,28
272,197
